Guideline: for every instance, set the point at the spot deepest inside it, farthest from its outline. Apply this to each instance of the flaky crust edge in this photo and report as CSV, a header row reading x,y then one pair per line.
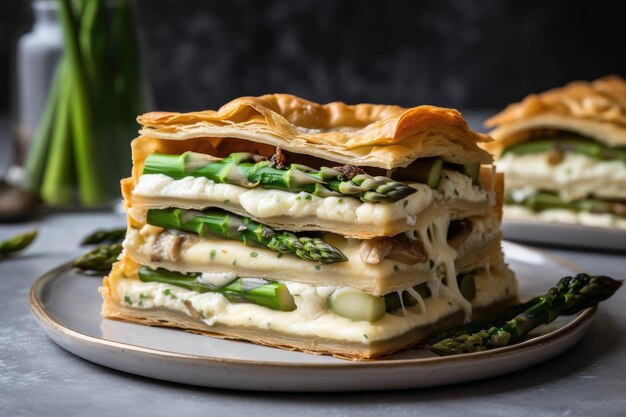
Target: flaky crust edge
x,y
372,135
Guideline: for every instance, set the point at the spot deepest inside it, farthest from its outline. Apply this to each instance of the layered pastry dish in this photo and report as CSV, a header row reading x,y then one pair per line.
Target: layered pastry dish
x,y
349,230
564,154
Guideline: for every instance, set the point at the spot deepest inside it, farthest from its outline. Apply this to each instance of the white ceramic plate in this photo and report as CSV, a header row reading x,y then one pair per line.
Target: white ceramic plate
x,y
67,305
561,234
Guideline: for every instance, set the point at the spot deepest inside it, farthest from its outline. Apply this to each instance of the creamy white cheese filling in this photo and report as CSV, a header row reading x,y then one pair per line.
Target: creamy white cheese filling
x,y
263,203
312,317
576,176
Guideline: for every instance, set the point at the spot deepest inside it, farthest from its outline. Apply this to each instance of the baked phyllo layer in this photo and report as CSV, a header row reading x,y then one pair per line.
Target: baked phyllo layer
x,y
248,223
564,154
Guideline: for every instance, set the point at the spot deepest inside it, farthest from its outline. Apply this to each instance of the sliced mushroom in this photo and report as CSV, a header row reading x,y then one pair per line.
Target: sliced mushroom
x,y
166,247
407,251
458,232
373,251
399,248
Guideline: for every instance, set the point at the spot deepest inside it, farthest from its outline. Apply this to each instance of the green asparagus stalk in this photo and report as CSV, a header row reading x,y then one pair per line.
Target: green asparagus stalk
x,y
544,201
104,235
485,323
16,243
575,144
571,295
240,169
36,160
229,226
57,185
99,259
426,171
252,290
82,125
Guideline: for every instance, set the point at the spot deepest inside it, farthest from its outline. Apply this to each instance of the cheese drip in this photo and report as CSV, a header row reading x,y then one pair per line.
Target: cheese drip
x,y
434,237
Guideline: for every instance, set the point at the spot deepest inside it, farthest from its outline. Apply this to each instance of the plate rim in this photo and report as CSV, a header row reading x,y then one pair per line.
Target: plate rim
x,y
45,317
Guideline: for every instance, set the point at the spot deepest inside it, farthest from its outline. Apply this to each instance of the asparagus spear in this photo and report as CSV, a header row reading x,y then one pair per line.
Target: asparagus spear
x,y
16,243
252,290
240,169
571,295
543,201
99,259
80,108
575,144
486,323
104,235
229,226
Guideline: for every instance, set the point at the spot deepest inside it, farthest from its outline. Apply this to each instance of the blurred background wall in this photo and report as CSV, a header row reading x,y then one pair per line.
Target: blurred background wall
x,y
460,53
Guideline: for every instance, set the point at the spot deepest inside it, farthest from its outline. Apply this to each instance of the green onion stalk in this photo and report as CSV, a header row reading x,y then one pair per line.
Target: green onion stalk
x,y
81,147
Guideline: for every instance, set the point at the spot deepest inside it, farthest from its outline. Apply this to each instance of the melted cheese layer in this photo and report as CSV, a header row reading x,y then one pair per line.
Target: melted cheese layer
x,y
312,317
576,176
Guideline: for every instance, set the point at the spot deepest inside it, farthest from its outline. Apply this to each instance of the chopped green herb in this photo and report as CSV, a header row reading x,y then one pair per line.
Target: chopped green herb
x,y
169,293
234,262
141,298
340,201
280,255
396,268
318,267
213,253
202,314
406,203
227,200
365,336
277,198
309,197
431,263
254,254
127,299
298,198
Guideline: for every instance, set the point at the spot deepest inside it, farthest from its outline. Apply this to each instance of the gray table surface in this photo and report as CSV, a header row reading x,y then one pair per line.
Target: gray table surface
x,y
38,378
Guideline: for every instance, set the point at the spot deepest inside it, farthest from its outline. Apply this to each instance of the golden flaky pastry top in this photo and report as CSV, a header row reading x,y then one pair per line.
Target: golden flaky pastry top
x,y
596,109
364,134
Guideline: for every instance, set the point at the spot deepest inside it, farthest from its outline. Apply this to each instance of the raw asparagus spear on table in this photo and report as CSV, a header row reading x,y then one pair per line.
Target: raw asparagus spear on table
x,y
230,226
571,295
99,259
104,235
16,243
241,169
